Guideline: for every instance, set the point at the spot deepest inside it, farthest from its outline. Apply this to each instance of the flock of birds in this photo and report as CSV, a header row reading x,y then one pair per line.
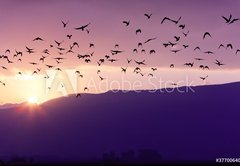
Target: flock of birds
x,y
15,56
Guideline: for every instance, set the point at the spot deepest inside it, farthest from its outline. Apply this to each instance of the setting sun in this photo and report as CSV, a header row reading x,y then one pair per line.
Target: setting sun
x,y
32,100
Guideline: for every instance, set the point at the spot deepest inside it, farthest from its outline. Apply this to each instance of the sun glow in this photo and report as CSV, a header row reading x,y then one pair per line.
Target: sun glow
x,y
32,100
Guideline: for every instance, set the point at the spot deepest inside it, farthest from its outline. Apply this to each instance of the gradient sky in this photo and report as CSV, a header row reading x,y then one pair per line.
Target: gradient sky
x,y
23,20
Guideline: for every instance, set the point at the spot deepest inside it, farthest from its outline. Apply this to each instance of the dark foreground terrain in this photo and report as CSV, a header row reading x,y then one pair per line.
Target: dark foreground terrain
x,y
123,127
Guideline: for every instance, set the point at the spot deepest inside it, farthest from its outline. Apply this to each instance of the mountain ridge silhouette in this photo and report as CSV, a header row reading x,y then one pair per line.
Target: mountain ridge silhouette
x,y
199,126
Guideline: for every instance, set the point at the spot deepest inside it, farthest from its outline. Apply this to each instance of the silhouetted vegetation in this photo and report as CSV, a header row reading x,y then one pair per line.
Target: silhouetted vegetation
x,y
128,156
1,162
149,156
110,157
144,156
18,160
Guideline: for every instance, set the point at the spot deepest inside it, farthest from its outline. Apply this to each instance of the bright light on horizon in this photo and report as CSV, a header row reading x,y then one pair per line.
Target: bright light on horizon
x,y
32,100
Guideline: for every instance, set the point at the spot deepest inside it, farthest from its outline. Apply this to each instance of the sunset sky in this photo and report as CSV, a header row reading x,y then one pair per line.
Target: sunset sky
x,y
24,20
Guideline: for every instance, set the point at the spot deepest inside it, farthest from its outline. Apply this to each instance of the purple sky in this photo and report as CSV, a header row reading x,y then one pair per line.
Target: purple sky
x,y
22,21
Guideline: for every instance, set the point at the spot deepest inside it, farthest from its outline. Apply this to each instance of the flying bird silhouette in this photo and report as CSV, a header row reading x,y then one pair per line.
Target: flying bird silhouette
x,y
126,22
229,46
172,66
182,26
83,27
87,60
219,63
69,36
38,39
197,48
116,46
233,20
64,23
58,69
46,51
112,60
3,83
209,52
174,84
221,45
75,44
174,21
203,78
166,45
60,48
165,18
148,40
186,34
3,67
101,78
198,59
206,34
229,20
150,74
154,69
189,64
7,51
152,51
124,69
237,51
135,50
140,62
136,70
34,72
29,50
148,15
177,38
139,44
91,45
58,43
172,44
46,77
58,58
33,63
114,52
78,95
138,31
206,67
50,66
175,51
129,61
107,56
77,72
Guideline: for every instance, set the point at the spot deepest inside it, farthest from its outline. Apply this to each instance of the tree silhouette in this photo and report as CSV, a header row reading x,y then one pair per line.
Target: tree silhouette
x,y
110,157
149,156
128,156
